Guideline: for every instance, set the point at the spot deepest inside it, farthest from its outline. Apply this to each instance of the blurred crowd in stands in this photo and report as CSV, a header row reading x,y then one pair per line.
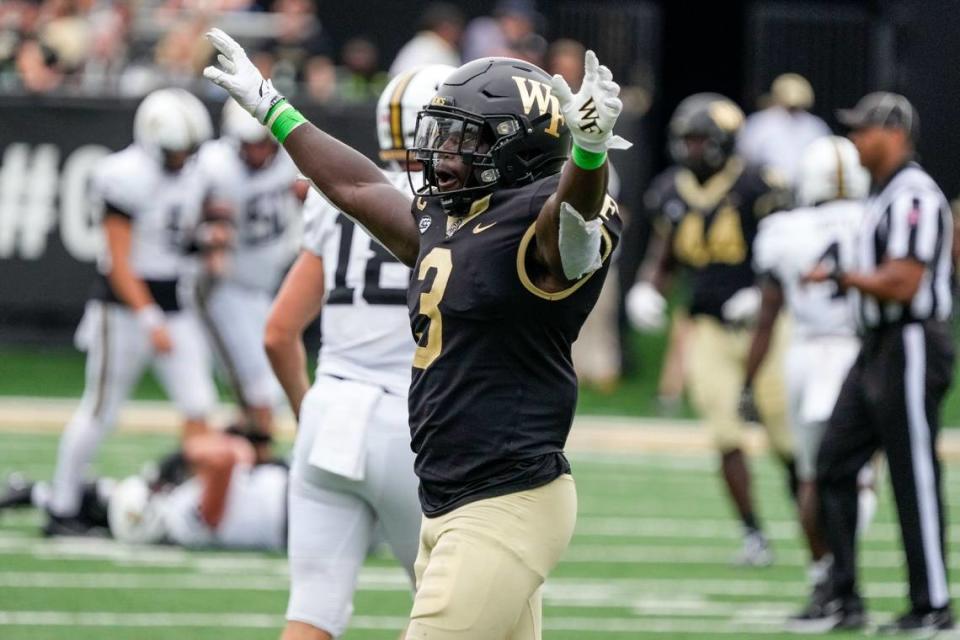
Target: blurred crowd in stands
x,y
130,47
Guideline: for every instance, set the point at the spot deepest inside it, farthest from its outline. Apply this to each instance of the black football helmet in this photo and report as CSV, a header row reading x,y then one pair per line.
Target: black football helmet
x,y
499,116
710,116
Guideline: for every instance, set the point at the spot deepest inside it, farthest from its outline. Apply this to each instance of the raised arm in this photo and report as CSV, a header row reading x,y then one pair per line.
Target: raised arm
x,y
345,176
568,227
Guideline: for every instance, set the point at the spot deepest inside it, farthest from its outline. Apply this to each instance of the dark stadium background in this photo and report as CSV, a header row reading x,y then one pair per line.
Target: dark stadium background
x,y
668,49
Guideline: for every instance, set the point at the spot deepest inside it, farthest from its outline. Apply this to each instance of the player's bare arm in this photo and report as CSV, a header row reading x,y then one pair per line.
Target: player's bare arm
x,y
895,280
213,456
297,303
127,284
771,302
645,305
354,184
568,228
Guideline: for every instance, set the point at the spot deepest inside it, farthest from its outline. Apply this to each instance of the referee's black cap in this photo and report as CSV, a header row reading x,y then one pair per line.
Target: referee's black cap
x,y
882,109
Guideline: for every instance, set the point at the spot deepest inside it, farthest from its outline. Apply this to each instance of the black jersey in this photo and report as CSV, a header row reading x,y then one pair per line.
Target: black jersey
x,y
493,390
712,226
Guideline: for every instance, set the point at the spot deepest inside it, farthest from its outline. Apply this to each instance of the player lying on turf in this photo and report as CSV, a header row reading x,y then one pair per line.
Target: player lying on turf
x,y
222,490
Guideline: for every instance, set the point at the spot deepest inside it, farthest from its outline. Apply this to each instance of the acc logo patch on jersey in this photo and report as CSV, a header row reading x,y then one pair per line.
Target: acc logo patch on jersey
x,y
425,223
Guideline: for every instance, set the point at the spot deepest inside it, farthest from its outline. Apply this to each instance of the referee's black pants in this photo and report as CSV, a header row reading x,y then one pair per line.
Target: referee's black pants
x,y
891,400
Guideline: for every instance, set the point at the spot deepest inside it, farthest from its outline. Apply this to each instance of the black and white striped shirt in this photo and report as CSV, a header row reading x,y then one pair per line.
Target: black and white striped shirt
x,y
908,218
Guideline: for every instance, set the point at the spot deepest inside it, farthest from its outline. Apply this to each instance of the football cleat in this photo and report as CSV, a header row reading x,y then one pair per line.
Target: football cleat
x,y
755,551
71,526
919,625
812,617
17,492
838,614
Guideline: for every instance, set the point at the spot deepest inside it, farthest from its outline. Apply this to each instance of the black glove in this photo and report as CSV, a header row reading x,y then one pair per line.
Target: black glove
x,y
747,408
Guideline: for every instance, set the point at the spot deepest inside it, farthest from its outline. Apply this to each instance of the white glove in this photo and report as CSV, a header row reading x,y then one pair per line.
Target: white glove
x,y
646,308
239,77
743,306
592,111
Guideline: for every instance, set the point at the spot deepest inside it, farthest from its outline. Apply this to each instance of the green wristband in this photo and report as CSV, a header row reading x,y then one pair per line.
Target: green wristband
x,y
587,160
275,108
283,119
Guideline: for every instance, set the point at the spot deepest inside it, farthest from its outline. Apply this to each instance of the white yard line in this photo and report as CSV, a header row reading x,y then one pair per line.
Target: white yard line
x,y
587,592
603,434
237,562
267,621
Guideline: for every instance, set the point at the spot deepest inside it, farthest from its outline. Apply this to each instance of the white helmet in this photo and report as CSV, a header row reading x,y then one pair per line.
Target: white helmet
x,y
399,104
236,123
171,120
134,514
830,169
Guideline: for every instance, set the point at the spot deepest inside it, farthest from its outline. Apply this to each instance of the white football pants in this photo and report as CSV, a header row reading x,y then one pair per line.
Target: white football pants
x,y
118,352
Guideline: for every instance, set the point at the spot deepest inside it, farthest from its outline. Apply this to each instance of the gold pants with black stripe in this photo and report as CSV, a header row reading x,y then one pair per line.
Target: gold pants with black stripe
x,y
716,362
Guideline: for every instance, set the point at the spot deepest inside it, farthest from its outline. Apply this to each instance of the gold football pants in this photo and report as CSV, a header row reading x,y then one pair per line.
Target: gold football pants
x,y
481,566
715,373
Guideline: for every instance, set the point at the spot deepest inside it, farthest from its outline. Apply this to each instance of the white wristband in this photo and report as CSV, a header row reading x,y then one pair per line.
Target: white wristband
x,y
150,317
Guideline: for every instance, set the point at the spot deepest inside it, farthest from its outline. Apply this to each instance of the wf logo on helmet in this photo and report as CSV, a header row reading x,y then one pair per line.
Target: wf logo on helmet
x,y
539,93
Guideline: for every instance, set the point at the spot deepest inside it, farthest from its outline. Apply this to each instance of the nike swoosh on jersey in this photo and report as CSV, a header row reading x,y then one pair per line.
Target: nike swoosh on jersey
x,y
480,228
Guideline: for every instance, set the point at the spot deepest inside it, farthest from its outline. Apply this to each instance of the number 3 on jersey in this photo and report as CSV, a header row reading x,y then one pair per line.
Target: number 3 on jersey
x,y
442,262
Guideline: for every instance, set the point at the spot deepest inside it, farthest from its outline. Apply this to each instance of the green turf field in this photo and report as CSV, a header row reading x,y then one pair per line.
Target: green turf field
x,y
58,371
649,560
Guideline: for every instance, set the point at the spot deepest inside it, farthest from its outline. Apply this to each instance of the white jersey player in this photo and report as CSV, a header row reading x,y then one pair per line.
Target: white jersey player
x,y
823,345
249,182
352,465
151,197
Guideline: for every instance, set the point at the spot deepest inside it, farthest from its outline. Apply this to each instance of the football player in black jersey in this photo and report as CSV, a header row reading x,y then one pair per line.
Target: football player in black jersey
x,y
707,207
509,244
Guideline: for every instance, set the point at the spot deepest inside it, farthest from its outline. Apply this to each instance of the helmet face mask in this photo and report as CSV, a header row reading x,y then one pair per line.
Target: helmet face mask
x,y
459,163
258,154
703,132
494,123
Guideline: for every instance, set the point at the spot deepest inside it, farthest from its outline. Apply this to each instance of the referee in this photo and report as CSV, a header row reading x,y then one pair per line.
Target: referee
x,y
892,396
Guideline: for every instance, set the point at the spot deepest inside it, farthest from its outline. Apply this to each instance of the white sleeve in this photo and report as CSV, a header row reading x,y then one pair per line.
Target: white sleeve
x,y
211,160
319,218
115,183
765,249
